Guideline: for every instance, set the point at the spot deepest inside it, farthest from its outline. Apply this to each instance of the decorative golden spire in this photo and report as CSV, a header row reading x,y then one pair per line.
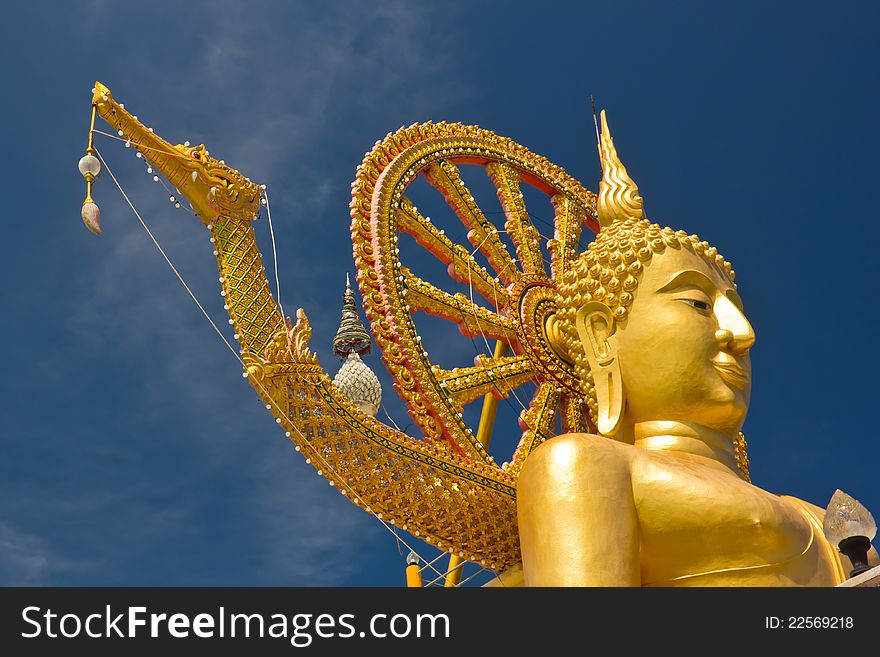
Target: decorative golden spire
x,y
351,336
618,194
355,379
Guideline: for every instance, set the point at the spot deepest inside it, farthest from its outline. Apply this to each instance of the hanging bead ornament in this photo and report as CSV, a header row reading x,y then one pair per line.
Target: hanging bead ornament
x,y
90,168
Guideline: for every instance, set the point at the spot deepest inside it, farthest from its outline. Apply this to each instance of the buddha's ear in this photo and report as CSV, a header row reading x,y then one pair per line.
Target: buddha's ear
x,y
595,325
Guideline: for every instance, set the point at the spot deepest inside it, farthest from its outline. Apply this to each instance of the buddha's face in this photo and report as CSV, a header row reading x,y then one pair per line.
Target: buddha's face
x,y
683,350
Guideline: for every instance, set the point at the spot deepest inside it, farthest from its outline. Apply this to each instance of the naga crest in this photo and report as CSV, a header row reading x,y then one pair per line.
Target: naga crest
x,y
212,187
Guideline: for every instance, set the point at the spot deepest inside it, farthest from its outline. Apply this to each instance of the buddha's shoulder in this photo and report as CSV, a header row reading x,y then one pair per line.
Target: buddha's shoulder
x,y
574,461
580,451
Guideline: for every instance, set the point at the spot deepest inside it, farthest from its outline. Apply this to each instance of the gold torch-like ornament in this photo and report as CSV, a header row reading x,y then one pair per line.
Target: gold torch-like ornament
x,y
413,572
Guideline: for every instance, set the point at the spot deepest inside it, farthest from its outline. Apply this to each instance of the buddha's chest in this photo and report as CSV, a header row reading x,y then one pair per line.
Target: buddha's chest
x,y
702,525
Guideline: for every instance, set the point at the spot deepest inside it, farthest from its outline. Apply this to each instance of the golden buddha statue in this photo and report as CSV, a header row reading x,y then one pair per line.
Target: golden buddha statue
x,y
655,328
639,346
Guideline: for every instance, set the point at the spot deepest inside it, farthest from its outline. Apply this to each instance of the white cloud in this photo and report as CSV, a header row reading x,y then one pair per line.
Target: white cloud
x,y
25,558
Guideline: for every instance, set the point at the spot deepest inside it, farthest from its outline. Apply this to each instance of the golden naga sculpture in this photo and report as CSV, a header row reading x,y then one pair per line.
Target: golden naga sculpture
x,y
638,347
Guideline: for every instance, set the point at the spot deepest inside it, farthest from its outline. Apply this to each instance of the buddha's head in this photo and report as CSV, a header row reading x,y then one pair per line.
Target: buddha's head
x,y
651,319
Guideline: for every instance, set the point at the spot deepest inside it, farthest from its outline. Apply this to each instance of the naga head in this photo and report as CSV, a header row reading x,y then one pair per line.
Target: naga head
x,y
651,319
212,187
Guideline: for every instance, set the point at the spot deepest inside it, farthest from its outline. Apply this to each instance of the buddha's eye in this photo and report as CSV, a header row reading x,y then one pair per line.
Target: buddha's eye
x,y
696,303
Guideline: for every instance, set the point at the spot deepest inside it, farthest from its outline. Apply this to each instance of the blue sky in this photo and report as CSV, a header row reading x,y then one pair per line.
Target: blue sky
x,y
133,453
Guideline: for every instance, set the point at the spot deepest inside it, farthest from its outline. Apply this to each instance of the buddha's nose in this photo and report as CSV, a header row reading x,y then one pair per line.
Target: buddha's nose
x,y
735,334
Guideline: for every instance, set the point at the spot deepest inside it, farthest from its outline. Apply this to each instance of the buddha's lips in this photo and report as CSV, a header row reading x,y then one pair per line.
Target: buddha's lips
x,y
732,374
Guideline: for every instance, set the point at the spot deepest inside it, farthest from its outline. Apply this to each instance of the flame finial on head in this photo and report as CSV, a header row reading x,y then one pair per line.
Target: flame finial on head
x,y
619,197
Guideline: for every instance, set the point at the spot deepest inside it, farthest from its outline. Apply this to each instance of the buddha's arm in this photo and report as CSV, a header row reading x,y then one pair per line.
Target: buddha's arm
x,y
577,518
